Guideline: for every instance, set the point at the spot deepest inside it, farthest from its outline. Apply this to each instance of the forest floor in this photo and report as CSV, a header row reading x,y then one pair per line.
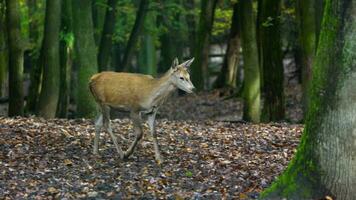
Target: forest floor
x,y
209,154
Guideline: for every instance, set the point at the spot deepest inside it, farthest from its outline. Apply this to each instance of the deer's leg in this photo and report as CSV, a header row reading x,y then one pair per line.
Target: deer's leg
x,y
98,126
106,117
136,119
151,124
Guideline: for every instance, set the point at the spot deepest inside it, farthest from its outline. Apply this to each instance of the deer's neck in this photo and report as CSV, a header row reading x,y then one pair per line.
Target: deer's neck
x,y
162,88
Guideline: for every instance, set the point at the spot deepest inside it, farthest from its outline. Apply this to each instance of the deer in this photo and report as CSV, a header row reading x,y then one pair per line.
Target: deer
x,y
140,95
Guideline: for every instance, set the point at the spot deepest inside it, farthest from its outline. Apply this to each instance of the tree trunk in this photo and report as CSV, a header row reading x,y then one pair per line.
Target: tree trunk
x,y
201,51
86,56
147,62
65,50
172,40
270,38
251,68
325,162
47,104
191,22
134,36
3,49
106,38
98,18
229,72
307,23
33,61
15,42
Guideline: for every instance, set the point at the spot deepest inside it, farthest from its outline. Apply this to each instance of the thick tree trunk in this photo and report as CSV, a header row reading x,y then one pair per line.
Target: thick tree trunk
x,y
270,38
134,36
65,50
15,42
325,162
86,57
251,89
229,72
106,38
307,23
201,50
3,49
47,104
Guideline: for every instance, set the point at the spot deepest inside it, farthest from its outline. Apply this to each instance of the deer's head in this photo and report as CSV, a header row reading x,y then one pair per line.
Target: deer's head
x,y
180,75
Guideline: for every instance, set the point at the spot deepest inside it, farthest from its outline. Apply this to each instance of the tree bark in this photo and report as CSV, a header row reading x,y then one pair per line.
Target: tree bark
x,y
147,55
307,27
47,104
251,91
3,49
65,50
15,42
191,22
229,72
134,36
106,38
270,38
201,51
86,55
98,18
324,163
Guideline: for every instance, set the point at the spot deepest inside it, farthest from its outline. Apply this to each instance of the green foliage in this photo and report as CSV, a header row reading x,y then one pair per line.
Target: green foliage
x,y
222,21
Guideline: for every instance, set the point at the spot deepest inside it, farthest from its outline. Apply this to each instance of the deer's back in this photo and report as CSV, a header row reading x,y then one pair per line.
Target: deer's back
x,y
121,89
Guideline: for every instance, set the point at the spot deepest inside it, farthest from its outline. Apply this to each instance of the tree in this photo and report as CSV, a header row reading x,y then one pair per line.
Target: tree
x,y
307,22
65,51
229,73
47,104
324,163
201,49
173,33
147,55
106,38
15,42
3,48
271,54
251,91
85,55
35,14
134,36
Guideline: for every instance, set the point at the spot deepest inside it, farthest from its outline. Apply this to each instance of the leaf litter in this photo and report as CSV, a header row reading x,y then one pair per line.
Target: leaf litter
x,y
204,159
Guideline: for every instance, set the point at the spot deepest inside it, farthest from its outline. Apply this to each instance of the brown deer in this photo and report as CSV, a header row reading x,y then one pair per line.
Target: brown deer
x,y
140,95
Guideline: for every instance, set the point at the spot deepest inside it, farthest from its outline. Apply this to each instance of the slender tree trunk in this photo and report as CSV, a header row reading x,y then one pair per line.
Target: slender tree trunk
x,y
106,38
3,49
325,162
273,109
229,72
65,50
147,62
34,63
201,52
172,41
307,23
47,104
191,22
15,42
98,18
85,52
251,91
134,36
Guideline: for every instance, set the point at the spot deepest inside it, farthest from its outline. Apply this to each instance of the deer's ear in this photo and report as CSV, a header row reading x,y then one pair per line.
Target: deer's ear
x,y
187,63
175,63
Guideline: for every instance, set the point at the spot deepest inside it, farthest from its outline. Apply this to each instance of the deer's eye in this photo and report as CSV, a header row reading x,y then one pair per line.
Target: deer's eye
x,y
181,78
